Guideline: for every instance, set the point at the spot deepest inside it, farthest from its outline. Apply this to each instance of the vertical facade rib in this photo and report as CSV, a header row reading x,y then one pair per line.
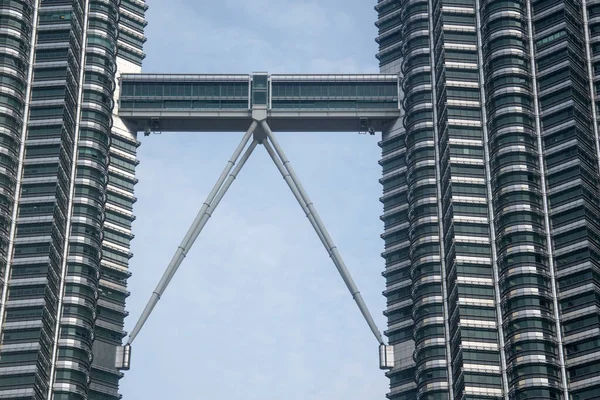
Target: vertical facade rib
x,y
395,215
500,99
69,168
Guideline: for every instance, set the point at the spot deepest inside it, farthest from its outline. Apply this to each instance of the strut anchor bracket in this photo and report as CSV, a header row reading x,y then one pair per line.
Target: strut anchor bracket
x,y
123,357
386,356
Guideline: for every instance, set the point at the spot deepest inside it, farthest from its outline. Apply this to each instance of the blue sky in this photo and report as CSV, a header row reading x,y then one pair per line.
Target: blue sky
x,y
258,310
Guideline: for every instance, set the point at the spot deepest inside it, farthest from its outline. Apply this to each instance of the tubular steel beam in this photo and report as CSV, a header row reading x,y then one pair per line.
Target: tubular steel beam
x,y
291,178
211,203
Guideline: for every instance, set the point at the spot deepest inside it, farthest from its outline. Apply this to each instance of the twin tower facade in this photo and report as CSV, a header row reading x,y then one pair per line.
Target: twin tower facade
x,y
67,172
490,192
491,199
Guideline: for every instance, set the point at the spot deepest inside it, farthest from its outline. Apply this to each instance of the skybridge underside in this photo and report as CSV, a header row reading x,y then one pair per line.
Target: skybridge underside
x,y
225,103
177,121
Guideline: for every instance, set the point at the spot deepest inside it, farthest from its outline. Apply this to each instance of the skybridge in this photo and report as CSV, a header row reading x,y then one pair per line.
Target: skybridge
x,y
259,105
293,103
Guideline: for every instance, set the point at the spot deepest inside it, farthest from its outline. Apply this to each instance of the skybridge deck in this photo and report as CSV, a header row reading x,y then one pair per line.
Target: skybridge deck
x,y
225,103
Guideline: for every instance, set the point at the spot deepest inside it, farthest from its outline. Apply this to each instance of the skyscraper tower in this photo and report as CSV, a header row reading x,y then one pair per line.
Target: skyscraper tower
x,y
491,199
67,172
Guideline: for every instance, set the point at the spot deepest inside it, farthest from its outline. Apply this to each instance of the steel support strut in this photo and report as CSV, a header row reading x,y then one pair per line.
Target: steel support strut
x,y
223,184
294,183
294,189
213,199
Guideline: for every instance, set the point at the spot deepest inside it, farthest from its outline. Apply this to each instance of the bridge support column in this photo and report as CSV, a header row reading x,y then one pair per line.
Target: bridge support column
x,y
288,173
213,199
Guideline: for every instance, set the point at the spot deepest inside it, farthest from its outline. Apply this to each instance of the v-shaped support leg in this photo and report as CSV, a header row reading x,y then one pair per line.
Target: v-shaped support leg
x,y
214,197
287,171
